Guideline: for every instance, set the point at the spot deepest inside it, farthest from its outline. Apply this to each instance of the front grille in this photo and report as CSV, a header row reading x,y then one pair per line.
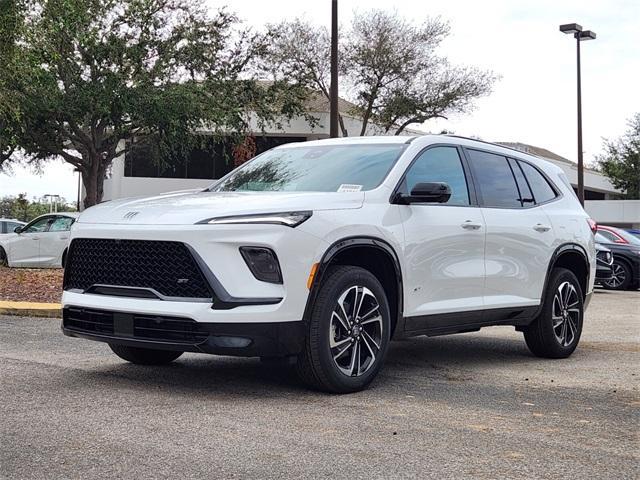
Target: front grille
x,y
166,267
134,326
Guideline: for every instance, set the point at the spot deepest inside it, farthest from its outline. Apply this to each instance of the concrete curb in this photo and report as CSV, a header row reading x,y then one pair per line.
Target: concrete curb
x,y
31,309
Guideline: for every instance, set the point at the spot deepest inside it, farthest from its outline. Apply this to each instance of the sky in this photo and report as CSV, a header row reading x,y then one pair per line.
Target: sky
x,y
535,100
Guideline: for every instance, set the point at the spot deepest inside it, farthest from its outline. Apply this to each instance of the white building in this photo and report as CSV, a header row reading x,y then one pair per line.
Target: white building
x,y
140,175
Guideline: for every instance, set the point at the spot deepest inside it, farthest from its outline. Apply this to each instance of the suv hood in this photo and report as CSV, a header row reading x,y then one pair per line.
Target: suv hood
x,y
190,207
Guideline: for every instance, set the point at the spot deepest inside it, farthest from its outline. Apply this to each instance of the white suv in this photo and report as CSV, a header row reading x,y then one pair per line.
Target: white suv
x,y
322,252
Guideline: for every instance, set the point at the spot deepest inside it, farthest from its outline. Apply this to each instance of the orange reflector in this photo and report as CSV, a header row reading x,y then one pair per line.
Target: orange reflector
x,y
312,274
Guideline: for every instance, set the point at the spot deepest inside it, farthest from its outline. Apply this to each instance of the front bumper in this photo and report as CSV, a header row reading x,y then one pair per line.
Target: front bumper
x,y
603,272
183,334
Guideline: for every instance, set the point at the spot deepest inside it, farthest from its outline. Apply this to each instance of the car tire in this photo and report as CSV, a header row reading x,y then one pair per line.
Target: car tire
x,y
350,319
3,258
621,279
144,356
556,331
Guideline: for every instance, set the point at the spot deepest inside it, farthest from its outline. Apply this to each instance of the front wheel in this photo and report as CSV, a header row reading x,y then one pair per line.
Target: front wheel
x,y
144,356
555,333
620,278
349,331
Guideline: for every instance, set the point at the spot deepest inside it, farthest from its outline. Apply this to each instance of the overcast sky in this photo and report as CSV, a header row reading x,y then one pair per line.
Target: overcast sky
x,y
534,102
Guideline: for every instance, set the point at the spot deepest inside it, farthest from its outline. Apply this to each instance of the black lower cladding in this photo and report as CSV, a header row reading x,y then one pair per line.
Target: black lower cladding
x,y
184,334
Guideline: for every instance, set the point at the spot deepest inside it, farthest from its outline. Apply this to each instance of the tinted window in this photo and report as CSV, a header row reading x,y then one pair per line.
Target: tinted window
x,y
609,236
61,224
526,197
542,191
327,168
495,178
440,164
38,225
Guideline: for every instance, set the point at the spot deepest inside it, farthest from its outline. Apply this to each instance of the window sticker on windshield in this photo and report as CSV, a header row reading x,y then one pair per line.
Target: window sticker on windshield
x,y
349,187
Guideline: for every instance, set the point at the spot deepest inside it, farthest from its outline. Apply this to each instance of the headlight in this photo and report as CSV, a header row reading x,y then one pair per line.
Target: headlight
x,y
289,219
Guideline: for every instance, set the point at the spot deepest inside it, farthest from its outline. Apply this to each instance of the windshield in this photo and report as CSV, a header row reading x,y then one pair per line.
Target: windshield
x,y
327,168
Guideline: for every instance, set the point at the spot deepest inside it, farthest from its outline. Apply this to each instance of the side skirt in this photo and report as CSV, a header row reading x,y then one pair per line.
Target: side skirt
x,y
471,321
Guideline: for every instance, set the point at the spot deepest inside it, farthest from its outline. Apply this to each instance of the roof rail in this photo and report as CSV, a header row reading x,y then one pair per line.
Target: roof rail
x,y
494,144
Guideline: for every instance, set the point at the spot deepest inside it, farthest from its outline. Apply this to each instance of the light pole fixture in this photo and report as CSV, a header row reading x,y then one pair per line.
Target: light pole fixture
x,y
333,89
579,34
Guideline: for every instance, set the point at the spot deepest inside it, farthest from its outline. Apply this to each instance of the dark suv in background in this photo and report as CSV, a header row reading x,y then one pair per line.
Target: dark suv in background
x,y
626,261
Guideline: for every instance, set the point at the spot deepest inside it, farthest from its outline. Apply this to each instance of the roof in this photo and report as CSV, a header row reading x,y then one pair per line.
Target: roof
x,y
317,102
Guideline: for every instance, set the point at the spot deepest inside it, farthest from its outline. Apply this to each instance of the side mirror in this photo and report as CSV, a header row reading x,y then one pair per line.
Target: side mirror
x,y
432,192
18,230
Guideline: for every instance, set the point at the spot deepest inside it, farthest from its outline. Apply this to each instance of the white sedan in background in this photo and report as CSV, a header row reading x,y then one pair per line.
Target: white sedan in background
x,y
41,243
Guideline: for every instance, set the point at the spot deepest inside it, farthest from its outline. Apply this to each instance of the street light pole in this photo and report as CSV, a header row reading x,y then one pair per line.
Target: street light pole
x,y
580,154
333,90
579,35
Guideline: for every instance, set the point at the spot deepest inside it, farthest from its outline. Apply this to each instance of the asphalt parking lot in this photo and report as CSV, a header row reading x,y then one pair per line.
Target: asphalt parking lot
x,y
467,406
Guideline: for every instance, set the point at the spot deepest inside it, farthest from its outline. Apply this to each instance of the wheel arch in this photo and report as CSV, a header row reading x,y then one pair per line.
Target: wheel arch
x,y
573,257
356,251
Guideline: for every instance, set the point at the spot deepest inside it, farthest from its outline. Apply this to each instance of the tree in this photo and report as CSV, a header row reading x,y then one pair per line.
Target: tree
x,y
299,52
91,79
389,66
620,161
20,208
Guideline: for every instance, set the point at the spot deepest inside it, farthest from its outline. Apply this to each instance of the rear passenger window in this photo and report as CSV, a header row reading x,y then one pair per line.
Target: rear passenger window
x,y
526,197
542,191
496,181
440,164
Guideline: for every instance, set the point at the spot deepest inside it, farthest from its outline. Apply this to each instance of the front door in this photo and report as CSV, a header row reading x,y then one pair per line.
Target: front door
x,y
444,243
24,248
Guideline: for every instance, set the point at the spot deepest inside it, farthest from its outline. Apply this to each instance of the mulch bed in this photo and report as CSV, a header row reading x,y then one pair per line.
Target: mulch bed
x,y
31,284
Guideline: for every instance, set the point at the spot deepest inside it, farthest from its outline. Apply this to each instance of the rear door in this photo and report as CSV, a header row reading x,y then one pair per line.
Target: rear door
x,y
444,242
54,241
519,240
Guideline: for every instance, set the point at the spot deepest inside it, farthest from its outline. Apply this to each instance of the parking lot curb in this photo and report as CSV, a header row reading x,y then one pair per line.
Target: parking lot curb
x,y
30,309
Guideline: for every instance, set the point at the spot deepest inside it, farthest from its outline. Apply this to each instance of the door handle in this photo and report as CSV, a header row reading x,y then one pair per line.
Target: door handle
x,y
541,228
469,225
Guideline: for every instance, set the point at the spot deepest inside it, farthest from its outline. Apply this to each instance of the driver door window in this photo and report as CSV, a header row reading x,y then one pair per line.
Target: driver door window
x,y
440,164
38,226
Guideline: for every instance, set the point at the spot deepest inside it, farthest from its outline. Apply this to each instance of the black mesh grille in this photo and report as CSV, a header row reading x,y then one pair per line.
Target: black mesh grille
x,y
136,326
167,267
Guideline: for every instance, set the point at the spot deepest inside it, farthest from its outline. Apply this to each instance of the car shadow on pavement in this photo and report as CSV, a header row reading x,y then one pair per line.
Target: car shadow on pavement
x,y
441,358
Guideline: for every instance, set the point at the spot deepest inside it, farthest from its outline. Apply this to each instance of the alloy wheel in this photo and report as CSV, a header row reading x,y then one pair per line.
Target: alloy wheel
x,y
566,313
355,331
618,276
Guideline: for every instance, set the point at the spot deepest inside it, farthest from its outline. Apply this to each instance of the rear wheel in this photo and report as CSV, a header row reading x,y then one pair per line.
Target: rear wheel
x,y
620,278
3,258
144,356
556,332
349,332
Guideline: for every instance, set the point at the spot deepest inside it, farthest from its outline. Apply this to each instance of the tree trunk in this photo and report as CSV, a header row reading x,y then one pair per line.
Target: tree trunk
x,y
93,181
345,133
